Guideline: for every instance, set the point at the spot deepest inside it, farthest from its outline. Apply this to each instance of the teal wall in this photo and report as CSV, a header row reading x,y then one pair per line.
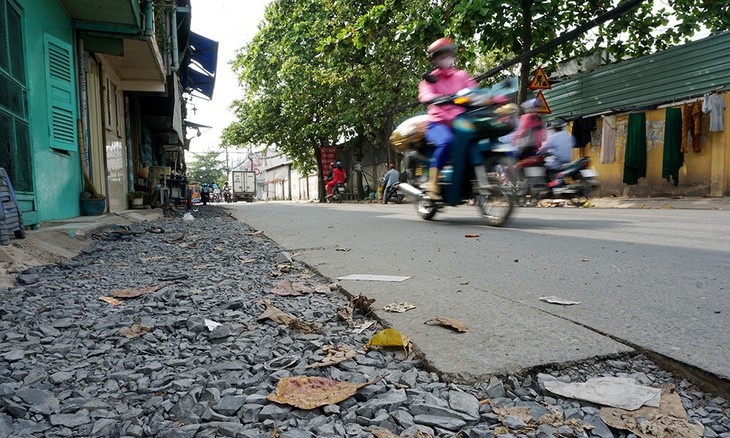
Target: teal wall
x,y
57,176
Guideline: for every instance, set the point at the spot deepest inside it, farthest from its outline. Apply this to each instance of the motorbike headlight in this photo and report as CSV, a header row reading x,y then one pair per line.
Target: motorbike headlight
x,y
461,100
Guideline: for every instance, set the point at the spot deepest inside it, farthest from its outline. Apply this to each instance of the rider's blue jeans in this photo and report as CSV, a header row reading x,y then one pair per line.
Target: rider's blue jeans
x,y
441,137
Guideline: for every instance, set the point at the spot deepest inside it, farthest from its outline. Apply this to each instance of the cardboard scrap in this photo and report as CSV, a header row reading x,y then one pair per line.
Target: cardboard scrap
x,y
334,355
552,299
452,323
618,392
668,420
306,392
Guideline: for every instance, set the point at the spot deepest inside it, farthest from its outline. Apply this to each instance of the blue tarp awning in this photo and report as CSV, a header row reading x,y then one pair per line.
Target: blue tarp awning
x,y
199,72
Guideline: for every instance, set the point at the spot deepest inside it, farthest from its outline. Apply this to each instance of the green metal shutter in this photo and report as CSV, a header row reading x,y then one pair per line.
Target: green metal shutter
x,y
59,74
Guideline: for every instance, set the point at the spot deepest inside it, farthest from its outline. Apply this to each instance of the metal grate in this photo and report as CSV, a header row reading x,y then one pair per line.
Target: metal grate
x,y
4,63
6,136
23,179
15,45
11,96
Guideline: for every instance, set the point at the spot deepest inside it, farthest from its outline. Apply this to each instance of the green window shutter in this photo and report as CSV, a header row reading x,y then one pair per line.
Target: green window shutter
x,y
60,88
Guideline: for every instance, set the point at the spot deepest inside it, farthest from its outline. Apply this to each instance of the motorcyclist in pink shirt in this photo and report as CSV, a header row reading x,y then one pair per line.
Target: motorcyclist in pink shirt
x,y
443,81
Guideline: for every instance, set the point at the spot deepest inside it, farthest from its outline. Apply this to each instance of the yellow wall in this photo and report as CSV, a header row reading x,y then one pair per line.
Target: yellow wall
x,y
706,173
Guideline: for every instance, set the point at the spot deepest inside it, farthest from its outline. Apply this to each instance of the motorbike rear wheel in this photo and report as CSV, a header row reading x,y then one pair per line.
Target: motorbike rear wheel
x,y
496,206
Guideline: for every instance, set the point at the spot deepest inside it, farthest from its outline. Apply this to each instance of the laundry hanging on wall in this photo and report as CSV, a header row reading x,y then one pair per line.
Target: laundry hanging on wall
x,y
608,140
673,158
635,161
714,104
582,128
692,124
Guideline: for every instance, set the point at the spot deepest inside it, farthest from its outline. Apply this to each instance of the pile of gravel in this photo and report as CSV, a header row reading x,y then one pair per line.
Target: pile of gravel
x,y
66,369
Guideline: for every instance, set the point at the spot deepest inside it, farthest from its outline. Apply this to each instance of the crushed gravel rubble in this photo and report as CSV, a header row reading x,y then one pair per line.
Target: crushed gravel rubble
x,y
188,356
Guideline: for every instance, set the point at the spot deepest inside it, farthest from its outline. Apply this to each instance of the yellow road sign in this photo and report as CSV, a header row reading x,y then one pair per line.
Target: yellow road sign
x,y
539,81
543,108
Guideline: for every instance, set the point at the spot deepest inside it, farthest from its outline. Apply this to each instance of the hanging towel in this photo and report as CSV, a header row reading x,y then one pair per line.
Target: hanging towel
x,y
673,157
715,105
635,162
608,140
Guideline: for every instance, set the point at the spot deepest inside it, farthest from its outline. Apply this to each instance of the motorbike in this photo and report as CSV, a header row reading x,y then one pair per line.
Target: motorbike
x,y
227,195
205,195
482,167
338,193
573,181
393,195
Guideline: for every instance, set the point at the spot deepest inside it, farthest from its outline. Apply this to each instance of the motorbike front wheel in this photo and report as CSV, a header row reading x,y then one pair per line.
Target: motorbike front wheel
x,y
496,206
426,209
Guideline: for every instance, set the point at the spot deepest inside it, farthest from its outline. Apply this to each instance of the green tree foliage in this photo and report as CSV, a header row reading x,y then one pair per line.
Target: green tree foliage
x,y
324,72
207,168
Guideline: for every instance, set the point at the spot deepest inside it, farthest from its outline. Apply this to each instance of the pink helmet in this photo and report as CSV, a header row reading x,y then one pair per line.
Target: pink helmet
x,y
440,46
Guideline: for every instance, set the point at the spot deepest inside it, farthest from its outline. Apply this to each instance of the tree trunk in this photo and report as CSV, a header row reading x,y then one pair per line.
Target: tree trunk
x,y
320,171
526,47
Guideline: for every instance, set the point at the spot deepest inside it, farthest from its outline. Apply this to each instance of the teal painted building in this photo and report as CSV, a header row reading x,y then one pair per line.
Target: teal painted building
x,y
38,108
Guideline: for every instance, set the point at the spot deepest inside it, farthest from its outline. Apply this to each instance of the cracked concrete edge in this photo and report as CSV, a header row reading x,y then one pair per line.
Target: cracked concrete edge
x,y
55,242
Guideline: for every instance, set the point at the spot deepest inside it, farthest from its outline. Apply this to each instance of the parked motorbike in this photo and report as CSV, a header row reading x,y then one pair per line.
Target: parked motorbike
x,y
482,167
393,195
573,181
227,195
205,194
338,193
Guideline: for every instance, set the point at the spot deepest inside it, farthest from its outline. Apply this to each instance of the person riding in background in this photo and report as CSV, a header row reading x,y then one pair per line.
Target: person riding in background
x,y
445,80
389,179
559,146
338,176
328,178
530,133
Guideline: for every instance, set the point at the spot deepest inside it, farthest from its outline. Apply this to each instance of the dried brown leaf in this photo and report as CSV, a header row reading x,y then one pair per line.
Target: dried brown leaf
x,y
134,293
383,433
334,355
306,392
472,235
521,412
361,303
279,316
255,233
135,331
451,323
287,288
110,300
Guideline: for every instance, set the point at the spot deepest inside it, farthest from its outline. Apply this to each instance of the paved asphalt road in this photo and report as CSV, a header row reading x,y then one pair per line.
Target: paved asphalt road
x,y
657,279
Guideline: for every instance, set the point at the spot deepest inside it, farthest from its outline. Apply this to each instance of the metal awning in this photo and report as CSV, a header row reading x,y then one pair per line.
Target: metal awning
x,y
141,67
122,16
200,65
